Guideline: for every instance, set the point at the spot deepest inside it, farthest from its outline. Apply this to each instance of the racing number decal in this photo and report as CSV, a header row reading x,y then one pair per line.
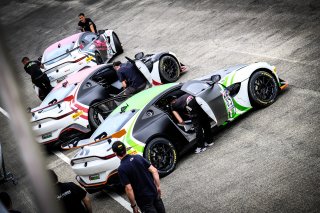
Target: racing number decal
x,y
231,110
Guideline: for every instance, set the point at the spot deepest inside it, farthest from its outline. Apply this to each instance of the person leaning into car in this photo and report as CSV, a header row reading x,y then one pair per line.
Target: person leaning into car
x,y
187,104
140,179
86,24
39,78
132,80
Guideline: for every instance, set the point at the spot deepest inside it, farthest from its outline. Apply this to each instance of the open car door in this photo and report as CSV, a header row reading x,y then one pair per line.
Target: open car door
x,y
212,98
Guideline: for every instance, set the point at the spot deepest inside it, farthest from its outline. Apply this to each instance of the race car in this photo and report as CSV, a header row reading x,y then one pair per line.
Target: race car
x,y
146,125
76,52
78,104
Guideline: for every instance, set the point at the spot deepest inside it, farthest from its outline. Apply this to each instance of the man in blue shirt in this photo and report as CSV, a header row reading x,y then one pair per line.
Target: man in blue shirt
x,y
131,78
141,181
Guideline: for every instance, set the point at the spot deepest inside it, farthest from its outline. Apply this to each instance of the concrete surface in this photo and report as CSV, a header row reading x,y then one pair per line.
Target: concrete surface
x,y
267,161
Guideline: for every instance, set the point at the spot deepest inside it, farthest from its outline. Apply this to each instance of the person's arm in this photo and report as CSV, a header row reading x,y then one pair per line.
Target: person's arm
x,y
92,28
130,194
178,117
87,203
124,84
156,178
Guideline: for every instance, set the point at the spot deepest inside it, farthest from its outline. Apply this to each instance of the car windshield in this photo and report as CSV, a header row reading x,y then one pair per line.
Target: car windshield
x,y
112,124
58,53
57,95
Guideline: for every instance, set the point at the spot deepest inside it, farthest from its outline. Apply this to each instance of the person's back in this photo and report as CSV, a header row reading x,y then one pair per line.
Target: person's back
x,y
135,169
33,69
130,73
71,195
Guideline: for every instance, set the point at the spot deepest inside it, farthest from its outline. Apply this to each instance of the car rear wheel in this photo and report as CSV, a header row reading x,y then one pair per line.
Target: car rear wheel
x,y
263,89
169,69
99,111
162,155
117,43
98,57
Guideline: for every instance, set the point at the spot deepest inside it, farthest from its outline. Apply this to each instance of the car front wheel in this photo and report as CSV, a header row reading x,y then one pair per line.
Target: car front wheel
x,y
263,89
169,69
161,153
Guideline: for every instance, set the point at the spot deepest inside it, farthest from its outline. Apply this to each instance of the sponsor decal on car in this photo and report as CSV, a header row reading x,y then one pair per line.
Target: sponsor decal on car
x,y
89,58
77,114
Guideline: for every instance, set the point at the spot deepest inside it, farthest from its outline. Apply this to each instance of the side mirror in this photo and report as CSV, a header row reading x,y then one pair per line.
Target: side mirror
x,y
101,32
139,55
215,78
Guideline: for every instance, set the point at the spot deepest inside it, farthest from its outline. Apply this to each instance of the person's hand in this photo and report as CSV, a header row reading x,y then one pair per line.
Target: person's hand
x,y
135,209
159,191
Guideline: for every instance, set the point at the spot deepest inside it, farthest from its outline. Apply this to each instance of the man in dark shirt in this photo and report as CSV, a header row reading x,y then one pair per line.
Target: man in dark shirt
x,y
72,197
86,24
39,78
132,80
141,181
186,104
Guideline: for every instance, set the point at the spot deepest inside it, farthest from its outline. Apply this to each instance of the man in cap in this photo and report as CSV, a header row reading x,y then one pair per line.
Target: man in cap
x,y
141,181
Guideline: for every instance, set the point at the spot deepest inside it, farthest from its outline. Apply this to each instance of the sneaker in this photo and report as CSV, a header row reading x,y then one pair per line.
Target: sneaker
x,y
208,144
199,149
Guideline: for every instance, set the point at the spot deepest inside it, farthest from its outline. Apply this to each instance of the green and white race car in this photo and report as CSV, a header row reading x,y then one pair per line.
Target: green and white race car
x,y
146,125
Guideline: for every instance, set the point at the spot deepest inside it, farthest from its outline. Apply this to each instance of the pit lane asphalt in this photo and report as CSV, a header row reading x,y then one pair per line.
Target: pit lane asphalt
x,y
267,161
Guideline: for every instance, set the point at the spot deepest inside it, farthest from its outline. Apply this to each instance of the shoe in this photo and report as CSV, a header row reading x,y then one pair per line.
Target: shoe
x,y
199,149
208,144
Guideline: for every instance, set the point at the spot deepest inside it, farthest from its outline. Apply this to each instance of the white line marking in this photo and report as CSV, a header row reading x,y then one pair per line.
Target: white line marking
x,y
4,113
63,157
120,200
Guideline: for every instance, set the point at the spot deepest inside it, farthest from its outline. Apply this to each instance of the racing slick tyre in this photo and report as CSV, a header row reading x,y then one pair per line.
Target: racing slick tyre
x,y
100,110
169,69
98,57
117,43
162,155
263,89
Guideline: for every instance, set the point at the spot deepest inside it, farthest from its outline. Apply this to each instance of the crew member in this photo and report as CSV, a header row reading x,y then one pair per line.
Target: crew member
x,y
187,104
39,78
72,196
141,181
132,80
86,24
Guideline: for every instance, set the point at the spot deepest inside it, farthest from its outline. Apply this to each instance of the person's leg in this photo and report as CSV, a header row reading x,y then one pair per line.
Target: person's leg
x,y
196,121
129,91
147,206
158,204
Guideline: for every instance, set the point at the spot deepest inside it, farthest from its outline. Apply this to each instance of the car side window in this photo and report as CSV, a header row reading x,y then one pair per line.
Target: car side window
x,y
87,38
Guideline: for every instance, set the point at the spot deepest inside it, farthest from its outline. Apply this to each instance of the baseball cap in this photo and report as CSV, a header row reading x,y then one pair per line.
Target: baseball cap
x,y
119,148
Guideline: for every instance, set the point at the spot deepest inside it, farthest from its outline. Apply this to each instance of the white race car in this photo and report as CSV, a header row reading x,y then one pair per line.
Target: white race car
x,y
77,52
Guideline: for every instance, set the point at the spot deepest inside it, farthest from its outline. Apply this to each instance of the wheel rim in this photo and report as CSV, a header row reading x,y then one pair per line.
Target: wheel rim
x,y
162,156
169,67
264,88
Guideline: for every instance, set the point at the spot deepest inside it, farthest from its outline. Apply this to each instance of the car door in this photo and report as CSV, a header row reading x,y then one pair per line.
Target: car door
x,y
212,98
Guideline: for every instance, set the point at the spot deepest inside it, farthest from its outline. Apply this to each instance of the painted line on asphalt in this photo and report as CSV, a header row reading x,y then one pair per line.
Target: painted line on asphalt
x,y
63,157
4,113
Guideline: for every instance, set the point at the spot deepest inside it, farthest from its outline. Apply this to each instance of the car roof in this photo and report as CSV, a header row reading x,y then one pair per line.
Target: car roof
x,y
141,99
67,40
